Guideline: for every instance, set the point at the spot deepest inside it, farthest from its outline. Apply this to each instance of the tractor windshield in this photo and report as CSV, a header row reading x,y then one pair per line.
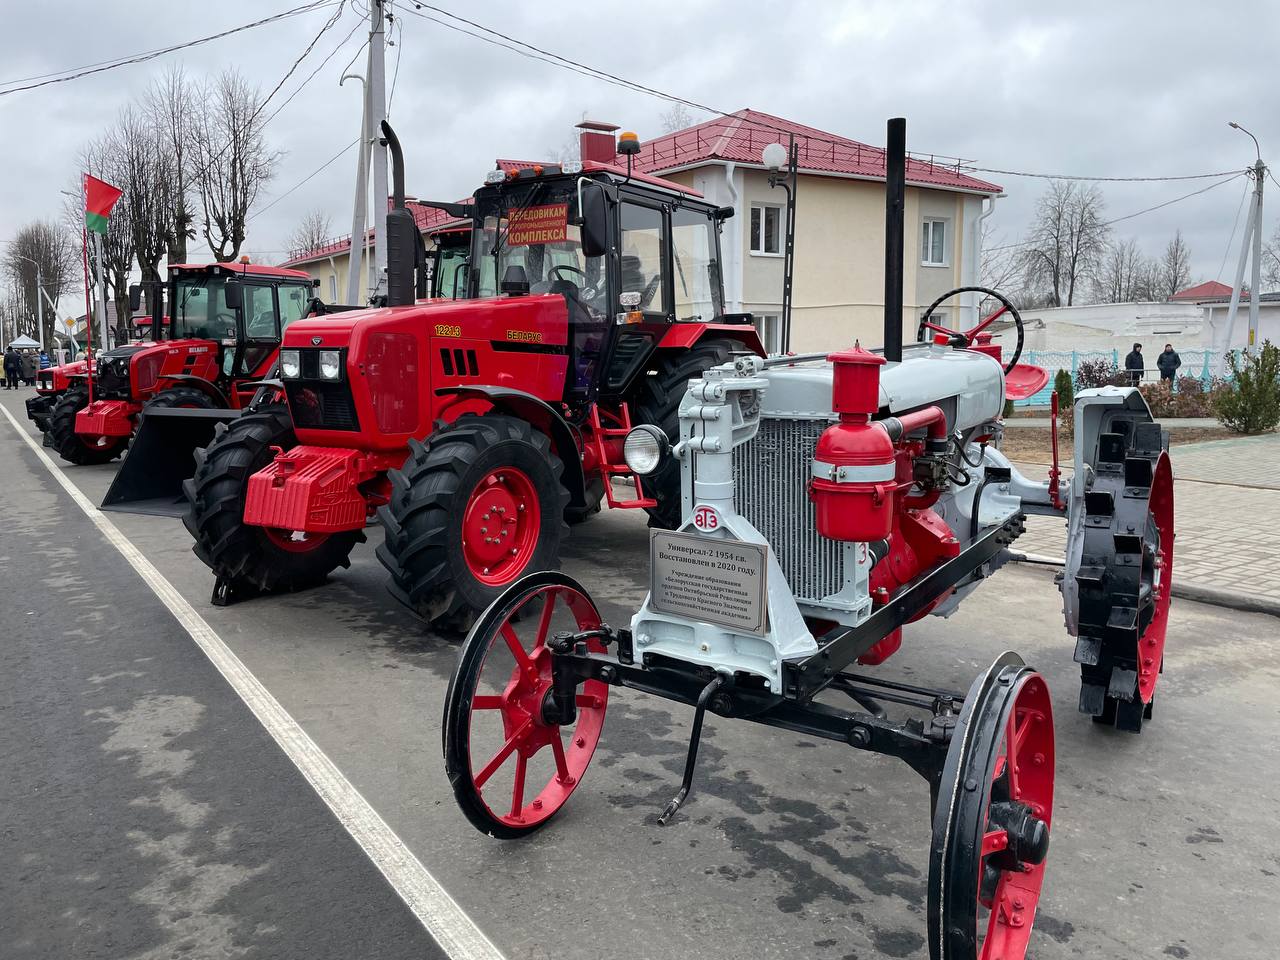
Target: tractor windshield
x,y
199,309
699,295
530,228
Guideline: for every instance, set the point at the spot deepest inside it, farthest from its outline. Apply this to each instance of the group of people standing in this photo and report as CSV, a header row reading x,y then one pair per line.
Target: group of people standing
x,y
1167,363
20,366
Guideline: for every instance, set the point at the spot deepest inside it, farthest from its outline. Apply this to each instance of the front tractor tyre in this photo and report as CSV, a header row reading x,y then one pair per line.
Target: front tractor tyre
x,y
71,446
659,403
476,506
251,559
182,398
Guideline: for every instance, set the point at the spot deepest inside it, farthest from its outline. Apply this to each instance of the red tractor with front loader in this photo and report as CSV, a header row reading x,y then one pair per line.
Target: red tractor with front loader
x,y
220,339
476,429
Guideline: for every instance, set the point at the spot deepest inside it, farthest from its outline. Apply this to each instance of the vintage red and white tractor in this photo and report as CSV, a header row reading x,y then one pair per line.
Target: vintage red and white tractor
x,y
827,502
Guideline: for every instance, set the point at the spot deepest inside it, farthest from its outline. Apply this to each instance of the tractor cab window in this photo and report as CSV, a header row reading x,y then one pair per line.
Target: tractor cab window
x,y
200,310
260,319
295,299
642,243
450,278
695,266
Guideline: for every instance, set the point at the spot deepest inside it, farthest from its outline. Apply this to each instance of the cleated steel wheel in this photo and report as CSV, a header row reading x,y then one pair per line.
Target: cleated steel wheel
x,y
992,819
1123,577
510,768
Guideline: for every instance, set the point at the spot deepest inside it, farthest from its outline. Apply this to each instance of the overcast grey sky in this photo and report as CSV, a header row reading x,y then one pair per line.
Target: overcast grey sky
x,y
1091,88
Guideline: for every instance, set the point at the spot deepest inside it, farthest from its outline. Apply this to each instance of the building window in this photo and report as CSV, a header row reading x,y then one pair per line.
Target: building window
x,y
766,229
333,288
933,249
769,326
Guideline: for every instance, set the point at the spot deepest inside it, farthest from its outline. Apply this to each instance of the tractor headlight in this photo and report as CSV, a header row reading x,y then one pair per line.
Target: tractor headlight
x,y
330,364
290,365
644,449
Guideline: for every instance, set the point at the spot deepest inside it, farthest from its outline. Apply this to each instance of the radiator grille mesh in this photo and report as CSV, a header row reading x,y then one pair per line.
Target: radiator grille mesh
x,y
772,478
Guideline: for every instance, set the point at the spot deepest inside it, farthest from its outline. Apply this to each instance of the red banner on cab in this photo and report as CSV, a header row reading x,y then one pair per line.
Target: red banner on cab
x,y
535,225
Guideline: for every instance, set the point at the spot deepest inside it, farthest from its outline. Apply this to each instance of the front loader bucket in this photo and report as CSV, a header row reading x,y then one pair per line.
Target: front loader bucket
x,y
160,457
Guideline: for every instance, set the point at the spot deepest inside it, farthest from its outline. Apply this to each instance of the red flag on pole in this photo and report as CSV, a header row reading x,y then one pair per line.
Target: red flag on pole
x,y
99,198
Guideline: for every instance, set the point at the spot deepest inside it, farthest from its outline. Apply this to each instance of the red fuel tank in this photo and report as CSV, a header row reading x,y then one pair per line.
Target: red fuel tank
x,y
853,464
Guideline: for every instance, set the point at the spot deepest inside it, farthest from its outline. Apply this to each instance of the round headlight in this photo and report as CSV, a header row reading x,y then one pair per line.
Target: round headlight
x,y
289,365
330,364
644,449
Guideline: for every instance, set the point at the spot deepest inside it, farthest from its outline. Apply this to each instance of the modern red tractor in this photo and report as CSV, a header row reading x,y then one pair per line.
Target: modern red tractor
x,y
220,338
474,429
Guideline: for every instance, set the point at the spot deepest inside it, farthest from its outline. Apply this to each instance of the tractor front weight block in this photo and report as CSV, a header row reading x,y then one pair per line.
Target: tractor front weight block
x,y
312,489
107,418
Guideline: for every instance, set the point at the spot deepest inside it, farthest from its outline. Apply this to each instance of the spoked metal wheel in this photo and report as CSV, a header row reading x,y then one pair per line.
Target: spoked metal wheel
x,y
991,823
510,768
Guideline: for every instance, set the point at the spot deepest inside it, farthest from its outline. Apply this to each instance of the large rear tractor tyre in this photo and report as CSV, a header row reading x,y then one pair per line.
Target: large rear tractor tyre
x,y
185,398
658,403
475,507
251,558
72,447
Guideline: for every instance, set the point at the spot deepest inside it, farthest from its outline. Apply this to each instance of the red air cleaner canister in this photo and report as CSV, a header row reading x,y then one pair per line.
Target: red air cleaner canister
x,y
853,464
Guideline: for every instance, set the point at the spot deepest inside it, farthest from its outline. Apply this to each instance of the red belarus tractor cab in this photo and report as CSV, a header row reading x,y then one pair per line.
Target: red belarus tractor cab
x,y
51,384
221,336
476,428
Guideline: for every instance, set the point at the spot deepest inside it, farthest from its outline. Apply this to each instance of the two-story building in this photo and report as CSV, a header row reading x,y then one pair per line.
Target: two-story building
x,y
838,286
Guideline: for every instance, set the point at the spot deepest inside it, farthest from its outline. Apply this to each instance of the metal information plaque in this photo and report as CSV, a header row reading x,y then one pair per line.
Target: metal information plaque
x,y
712,580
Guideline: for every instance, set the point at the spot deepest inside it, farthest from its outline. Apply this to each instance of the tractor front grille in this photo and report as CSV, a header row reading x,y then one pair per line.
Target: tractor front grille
x,y
322,404
772,491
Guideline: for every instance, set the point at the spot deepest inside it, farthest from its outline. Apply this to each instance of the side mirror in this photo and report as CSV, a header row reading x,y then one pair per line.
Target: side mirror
x,y
594,207
723,213
233,294
135,297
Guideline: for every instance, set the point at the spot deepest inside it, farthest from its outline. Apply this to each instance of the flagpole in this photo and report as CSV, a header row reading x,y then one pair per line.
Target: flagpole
x,y
88,309
102,292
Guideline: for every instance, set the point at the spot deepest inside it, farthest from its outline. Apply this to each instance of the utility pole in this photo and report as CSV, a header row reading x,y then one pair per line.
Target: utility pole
x,y
39,302
1250,248
375,115
355,262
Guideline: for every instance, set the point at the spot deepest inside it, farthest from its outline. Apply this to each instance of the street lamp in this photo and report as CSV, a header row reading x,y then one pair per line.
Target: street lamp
x,y
773,157
39,302
1235,126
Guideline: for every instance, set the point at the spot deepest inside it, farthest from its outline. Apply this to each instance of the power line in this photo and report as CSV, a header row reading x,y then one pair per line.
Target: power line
x,y
532,52
76,73
1130,216
294,66
1231,239
304,180
312,74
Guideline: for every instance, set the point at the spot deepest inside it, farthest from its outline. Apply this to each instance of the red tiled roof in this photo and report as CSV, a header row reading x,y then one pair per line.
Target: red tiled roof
x,y
620,170
741,136
427,219
1203,290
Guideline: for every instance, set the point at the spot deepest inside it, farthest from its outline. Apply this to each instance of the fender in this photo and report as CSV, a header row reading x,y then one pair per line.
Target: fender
x,y
682,336
542,415
187,380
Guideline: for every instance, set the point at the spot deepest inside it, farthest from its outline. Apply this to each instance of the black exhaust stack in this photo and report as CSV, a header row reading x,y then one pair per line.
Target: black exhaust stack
x,y
895,194
404,243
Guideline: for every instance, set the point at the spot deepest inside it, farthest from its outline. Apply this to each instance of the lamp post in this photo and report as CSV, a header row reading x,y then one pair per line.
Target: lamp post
x,y
774,156
39,302
1252,245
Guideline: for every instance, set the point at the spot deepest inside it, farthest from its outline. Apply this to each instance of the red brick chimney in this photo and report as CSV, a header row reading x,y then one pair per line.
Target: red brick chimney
x,y
596,143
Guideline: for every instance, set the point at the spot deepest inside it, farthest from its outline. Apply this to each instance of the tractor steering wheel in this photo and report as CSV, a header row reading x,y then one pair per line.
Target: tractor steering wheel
x,y
572,269
966,338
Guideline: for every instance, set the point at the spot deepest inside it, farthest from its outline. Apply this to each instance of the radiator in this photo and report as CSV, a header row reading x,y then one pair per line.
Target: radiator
x,y
771,476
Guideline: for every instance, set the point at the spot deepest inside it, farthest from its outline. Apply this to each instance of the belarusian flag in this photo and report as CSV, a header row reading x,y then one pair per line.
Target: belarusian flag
x,y
99,198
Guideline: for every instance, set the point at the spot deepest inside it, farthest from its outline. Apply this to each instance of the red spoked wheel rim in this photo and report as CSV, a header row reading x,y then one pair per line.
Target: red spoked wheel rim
x,y
294,541
993,819
500,526
1151,646
512,770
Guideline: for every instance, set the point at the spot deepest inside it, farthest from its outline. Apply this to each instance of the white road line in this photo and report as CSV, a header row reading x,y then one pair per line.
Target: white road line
x,y
438,912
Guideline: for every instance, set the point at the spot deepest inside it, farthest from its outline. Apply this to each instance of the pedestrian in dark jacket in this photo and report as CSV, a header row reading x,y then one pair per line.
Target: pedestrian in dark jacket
x,y
12,368
1134,365
1168,362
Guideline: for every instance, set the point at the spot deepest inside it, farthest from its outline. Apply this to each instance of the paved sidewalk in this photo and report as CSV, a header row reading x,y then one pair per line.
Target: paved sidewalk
x,y
1226,514
1014,423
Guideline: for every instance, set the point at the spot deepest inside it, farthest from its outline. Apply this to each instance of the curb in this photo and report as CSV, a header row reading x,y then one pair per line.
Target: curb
x,y
1183,591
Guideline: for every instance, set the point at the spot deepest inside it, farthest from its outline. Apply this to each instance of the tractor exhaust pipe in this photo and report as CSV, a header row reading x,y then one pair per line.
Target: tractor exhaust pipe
x,y
404,243
895,193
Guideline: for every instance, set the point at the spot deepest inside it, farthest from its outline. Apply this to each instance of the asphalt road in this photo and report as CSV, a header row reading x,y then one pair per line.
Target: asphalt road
x,y
1165,845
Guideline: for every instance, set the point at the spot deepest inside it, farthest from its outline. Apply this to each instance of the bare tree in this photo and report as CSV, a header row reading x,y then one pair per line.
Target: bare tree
x,y
311,232
1123,274
1068,236
677,118
1271,260
170,105
145,172
1000,264
1174,268
232,158
44,249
